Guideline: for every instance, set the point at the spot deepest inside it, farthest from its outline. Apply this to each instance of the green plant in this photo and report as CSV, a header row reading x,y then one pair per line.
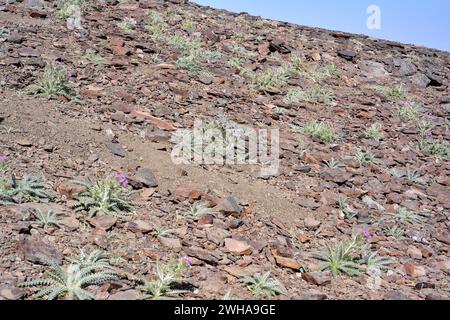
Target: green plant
x,y
70,283
235,63
374,132
403,215
47,218
394,231
3,32
52,84
264,285
437,148
296,64
324,72
348,212
409,111
30,188
333,164
198,210
321,131
188,46
396,92
68,8
318,95
188,25
104,196
270,80
126,25
364,157
97,259
342,259
374,263
294,96
94,57
160,232
191,64
161,288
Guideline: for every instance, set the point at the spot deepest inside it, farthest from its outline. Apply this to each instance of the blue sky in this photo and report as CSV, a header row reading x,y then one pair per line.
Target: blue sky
x,y
425,22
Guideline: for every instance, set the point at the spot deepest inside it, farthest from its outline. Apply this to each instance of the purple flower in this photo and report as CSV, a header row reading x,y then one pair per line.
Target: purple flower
x,y
428,134
367,234
122,179
4,157
188,261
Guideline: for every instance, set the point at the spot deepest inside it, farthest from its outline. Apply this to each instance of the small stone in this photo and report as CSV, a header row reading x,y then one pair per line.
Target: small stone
x,y
201,254
139,226
24,142
37,251
287,263
414,271
311,223
171,243
125,295
347,55
206,219
103,222
29,52
238,247
71,223
414,253
143,177
229,206
217,235
12,293
317,278
116,149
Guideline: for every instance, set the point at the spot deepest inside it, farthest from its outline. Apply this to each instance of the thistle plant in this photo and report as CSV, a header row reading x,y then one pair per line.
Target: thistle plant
x,y
3,32
94,57
364,157
374,263
440,149
97,259
198,210
127,25
321,131
70,283
29,189
403,215
374,132
294,96
333,164
394,231
235,63
52,84
47,218
166,276
191,64
68,8
3,165
318,95
264,285
409,111
270,80
105,196
160,232
342,259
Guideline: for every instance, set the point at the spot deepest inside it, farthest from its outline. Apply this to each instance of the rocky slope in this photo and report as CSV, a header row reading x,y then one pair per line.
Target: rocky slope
x,y
364,127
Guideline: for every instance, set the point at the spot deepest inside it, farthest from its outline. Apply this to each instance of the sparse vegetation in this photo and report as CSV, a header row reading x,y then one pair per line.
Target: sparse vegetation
x,y
396,92
47,218
409,111
127,25
433,147
3,32
160,232
198,210
294,96
320,130
52,84
104,196
29,189
270,80
264,285
94,57
235,63
97,259
374,132
318,95
71,283
69,8
394,231
403,215
191,64
333,164
365,157
342,259
166,277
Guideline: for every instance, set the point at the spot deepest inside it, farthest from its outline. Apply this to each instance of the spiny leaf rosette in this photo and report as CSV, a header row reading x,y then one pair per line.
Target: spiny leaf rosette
x,y
105,196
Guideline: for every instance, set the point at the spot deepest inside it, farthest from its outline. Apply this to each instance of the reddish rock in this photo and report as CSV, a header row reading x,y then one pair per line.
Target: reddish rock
x,y
161,124
238,247
139,226
287,263
317,278
414,271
